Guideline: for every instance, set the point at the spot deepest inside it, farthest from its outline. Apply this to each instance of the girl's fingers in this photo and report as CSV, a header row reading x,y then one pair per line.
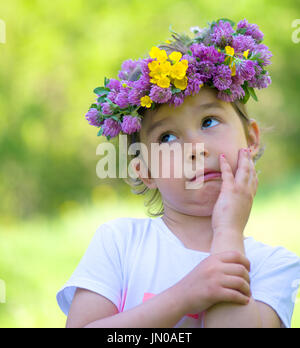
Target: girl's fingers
x,y
254,180
229,295
243,173
236,283
227,175
234,257
237,270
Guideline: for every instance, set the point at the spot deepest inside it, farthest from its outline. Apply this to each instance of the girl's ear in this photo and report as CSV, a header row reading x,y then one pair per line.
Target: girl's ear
x,y
254,137
143,172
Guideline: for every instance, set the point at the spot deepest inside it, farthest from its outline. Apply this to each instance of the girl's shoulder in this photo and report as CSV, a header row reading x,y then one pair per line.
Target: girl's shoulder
x,y
123,224
125,229
263,255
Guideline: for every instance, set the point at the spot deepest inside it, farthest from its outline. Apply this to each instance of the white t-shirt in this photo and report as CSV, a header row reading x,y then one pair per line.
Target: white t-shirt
x,y
129,260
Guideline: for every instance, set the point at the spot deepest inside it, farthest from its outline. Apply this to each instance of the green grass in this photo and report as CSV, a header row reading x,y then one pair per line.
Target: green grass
x,y
39,256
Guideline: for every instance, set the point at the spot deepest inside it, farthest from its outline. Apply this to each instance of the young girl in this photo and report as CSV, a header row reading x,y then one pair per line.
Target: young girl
x,y
190,265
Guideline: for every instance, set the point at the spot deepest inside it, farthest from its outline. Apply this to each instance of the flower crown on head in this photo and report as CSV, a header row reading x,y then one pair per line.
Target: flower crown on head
x,y
231,61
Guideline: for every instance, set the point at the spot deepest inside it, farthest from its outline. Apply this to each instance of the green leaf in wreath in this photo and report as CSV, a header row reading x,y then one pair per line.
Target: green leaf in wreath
x,y
175,90
101,99
100,132
116,118
240,31
252,93
106,81
101,91
226,20
246,97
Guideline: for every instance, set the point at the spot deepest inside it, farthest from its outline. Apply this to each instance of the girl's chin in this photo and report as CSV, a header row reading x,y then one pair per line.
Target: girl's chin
x,y
197,186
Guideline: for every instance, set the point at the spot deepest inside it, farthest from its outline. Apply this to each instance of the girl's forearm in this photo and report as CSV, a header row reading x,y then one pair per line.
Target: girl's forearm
x,y
226,241
163,310
225,315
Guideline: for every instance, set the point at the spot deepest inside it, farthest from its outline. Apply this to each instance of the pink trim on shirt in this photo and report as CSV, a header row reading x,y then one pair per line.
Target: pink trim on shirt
x,y
124,300
148,295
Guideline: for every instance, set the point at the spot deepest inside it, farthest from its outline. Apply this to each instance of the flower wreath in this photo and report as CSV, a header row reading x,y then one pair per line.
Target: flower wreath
x,y
232,61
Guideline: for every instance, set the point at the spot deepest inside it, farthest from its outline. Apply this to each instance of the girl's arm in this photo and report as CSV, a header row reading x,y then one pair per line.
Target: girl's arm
x,y
229,219
163,310
212,281
254,314
230,314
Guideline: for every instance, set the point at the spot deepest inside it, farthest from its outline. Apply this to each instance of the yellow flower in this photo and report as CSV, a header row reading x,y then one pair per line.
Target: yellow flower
x,y
233,70
181,83
168,41
146,101
175,56
178,70
124,85
245,54
154,52
201,85
165,68
164,82
229,50
160,55
159,73
153,65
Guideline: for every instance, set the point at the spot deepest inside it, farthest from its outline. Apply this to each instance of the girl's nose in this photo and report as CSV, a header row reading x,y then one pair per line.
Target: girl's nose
x,y
196,150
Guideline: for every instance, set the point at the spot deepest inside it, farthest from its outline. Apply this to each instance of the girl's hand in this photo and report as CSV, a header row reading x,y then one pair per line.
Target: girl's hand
x,y
233,207
222,277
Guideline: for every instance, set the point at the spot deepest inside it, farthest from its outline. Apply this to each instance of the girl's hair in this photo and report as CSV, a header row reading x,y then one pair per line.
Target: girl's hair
x,y
154,202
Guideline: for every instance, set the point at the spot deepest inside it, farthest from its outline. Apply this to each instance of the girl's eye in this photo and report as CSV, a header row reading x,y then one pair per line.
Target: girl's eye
x,y
166,136
208,119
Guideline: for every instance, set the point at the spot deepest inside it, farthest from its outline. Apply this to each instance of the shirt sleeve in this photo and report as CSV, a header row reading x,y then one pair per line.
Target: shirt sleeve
x,y
99,270
276,283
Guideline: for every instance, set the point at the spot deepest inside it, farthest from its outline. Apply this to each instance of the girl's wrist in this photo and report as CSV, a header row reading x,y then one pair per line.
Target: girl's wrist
x,y
227,239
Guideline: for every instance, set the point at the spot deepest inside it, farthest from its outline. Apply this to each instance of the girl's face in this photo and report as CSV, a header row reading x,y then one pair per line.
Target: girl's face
x,y
200,119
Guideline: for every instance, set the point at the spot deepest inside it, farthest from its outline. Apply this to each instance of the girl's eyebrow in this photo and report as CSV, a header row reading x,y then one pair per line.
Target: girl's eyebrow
x,y
202,107
157,124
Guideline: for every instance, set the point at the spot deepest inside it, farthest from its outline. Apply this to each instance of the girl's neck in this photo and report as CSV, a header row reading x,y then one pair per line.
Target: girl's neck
x,y
195,232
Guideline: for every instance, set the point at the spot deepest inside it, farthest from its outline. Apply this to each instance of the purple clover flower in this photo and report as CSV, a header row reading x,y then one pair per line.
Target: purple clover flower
x,y
127,68
114,85
242,43
261,81
135,95
237,92
207,53
265,54
222,78
131,124
192,68
93,118
222,34
207,69
106,109
160,95
245,69
112,96
193,86
142,83
144,66
111,128
252,30
177,99
122,100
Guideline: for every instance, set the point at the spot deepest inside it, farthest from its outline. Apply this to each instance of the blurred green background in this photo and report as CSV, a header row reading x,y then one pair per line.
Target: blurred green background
x,y
51,201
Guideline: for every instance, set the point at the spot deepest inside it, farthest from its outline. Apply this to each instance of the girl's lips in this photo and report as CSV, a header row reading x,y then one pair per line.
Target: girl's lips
x,y
208,176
